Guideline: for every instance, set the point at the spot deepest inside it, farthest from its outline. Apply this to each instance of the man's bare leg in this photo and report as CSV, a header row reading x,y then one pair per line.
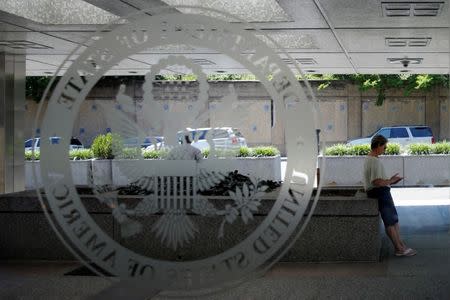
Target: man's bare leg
x,y
393,234
399,236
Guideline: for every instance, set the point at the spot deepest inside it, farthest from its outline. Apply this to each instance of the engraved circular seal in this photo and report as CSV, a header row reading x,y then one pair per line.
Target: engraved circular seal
x,y
80,230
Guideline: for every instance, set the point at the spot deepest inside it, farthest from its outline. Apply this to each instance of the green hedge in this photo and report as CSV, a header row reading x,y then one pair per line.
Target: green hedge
x,y
262,151
265,151
155,154
81,154
441,148
392,149
425,149
359,150
29,155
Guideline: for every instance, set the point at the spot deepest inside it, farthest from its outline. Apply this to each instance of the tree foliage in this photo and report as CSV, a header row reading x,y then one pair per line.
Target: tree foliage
x,y
382,82
35,86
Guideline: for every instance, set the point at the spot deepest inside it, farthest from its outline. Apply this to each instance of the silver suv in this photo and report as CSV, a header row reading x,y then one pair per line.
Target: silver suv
x,y
403,135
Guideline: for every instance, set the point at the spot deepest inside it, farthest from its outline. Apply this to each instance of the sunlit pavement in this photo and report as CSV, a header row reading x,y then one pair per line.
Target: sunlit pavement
x,y
421,196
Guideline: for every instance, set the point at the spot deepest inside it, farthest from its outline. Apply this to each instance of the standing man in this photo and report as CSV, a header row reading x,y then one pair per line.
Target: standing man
x,y
185,151
377,185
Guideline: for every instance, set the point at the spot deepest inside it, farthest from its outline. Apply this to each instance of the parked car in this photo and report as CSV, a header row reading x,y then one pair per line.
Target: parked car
x,y
222,137
36,143
148,141
403,135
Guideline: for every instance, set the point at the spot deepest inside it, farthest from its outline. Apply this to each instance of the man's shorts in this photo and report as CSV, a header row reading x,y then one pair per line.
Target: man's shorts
x,y
385,204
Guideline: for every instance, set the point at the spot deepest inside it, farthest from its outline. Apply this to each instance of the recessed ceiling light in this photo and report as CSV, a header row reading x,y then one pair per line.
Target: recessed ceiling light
x,y
405,61
264,11
202,62
408,41
58,11
412,8
22,44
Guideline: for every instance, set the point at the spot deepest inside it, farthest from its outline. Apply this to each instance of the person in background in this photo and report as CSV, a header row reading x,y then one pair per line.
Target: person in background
x,y
185,151
377,185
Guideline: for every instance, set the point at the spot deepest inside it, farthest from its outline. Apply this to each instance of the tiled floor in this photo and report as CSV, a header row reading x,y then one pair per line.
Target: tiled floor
x,y
425,276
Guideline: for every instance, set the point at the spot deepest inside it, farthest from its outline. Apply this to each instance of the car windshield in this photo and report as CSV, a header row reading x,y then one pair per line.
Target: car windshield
x,y
373,133
54,140
220,133
150,139
76,142
237,132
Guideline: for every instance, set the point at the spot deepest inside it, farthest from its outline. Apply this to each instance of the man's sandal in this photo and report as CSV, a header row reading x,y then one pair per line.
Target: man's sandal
x,y
406,252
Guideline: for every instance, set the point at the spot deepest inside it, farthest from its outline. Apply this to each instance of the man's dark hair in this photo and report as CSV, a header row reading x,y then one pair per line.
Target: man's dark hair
x,y
378,141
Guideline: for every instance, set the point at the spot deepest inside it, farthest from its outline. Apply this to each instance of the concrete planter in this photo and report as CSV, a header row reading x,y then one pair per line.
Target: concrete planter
x,y
263,168
348,170
102,171
119,177
80,171
109,171
427,170
32,181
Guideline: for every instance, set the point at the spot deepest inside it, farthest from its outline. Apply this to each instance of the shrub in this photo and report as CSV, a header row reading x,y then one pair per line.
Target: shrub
x,y
337,150
359,149
205,153
392,149
106,146
441,148
419,149
264,151
130,153
225,152
29,155
155,154
80,154
244,152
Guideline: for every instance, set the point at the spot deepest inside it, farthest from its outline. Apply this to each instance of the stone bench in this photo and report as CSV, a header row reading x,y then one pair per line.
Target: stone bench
x,y
345,226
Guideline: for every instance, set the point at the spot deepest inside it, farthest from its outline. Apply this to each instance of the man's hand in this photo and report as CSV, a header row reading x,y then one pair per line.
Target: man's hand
x,y
395,178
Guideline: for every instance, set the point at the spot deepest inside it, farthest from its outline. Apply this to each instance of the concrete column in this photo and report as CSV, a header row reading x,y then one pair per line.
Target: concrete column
x,y
12,111
432,111
354,113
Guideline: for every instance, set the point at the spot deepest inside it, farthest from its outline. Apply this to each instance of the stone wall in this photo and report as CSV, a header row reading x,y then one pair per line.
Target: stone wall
x,y
345,112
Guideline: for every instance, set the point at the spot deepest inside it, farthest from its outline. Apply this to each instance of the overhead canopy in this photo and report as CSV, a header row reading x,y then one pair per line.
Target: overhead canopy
x,y
323,36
